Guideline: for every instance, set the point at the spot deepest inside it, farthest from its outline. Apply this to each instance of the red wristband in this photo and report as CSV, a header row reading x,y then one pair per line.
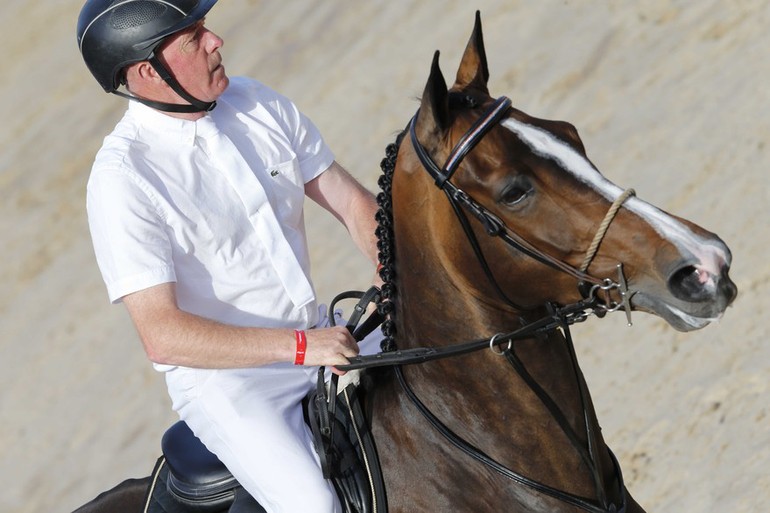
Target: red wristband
x,y
299,357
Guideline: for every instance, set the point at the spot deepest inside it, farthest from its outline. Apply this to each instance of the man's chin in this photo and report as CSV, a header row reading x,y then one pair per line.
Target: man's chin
x,y
222,81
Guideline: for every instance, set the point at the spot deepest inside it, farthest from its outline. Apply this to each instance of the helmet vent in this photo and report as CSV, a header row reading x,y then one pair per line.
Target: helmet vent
x,y
134,14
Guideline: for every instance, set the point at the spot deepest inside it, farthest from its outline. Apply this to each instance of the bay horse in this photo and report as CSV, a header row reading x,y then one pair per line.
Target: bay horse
x,y
515,237
516,220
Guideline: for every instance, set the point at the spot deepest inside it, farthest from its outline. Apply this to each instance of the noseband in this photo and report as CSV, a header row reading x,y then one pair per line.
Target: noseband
x,y
495,227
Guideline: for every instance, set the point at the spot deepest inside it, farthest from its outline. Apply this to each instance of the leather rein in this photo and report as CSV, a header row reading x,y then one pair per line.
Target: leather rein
x,y
502,344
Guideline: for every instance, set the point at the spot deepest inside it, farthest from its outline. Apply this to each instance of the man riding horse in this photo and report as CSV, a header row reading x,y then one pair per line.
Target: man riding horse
x,y
195,205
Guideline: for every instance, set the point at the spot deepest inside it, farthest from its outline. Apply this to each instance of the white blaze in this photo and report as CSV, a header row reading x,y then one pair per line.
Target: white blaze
x,y
711,256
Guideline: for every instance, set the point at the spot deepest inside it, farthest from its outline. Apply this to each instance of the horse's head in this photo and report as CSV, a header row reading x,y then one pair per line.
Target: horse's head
x,y
534,176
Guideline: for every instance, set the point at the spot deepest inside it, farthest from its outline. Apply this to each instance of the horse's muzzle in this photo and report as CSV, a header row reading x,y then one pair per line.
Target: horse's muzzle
x,y
712,291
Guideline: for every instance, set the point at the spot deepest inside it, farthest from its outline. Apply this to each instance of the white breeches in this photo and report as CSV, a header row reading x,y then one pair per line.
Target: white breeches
x,y
252,420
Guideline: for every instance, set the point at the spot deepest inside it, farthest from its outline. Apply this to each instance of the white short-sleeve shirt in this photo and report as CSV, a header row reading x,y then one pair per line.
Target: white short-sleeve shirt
x,y
159,210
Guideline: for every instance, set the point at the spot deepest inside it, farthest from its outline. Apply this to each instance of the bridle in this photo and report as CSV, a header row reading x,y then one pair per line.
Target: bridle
x,y
558,318
589,285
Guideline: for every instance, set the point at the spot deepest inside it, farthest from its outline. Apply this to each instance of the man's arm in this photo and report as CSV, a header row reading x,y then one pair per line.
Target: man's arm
x,y
174,337
353,205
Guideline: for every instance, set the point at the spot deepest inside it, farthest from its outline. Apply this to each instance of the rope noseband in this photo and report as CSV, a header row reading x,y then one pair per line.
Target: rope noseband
x,y
602,231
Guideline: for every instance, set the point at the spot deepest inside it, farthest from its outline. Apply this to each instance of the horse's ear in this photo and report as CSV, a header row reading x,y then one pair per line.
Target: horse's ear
x,y
473,71
433,118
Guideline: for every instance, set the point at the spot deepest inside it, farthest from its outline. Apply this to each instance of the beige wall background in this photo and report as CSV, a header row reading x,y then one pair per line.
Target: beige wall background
x,y
670,97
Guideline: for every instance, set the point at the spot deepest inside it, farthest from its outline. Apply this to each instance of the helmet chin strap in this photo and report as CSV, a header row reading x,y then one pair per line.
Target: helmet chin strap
x,y
195,105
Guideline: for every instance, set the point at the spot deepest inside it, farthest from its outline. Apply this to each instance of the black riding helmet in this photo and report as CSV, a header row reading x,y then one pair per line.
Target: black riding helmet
x,y
115,33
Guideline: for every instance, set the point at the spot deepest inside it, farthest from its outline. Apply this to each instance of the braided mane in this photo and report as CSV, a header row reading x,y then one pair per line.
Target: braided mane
x,y
384,232
386,244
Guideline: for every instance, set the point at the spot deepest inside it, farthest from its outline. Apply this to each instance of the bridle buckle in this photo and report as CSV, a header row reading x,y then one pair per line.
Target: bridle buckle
x,y
606,304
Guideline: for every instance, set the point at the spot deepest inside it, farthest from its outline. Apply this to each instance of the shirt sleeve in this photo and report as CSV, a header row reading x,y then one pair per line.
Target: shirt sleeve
x,y
130,242
313,154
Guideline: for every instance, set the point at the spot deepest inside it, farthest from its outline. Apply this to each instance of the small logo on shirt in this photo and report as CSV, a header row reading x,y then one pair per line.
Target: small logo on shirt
x,y
274,172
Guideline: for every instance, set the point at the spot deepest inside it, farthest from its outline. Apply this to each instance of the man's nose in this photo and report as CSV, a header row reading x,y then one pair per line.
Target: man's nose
x,y
214,42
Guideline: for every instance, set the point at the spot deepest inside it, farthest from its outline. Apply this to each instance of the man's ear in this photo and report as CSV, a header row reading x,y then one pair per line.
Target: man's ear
x,y
141,72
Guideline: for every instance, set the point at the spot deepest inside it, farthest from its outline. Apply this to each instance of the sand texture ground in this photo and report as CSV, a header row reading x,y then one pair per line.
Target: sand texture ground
x,y
670,97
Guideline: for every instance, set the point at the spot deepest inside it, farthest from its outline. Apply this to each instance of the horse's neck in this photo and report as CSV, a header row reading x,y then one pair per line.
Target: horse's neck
x,y
495,408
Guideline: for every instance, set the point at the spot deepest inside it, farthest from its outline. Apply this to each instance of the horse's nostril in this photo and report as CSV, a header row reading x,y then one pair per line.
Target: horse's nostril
x,y
690,284
727,287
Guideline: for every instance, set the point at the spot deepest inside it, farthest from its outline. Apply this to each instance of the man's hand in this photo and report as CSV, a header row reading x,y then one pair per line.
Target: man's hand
x,y
329,347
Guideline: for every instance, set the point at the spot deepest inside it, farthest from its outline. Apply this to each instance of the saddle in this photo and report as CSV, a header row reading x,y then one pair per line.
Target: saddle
x,y
188,478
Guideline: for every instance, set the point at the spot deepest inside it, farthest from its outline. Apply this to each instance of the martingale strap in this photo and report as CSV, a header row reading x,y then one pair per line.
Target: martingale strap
x,y
480,456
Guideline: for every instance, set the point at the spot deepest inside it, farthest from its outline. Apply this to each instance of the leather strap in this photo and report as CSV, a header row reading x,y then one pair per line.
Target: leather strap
x,y
493,225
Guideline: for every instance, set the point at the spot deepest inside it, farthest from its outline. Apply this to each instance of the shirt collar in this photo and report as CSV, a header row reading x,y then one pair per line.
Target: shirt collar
x,y
164,126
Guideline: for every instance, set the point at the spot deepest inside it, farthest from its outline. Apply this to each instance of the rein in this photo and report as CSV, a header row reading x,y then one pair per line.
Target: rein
x,y
559,317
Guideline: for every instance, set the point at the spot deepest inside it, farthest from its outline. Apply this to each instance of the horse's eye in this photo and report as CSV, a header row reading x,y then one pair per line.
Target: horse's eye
x,y
515,193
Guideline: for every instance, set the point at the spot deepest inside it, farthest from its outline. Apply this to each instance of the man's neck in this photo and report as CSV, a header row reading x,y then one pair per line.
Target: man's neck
x,y
169,99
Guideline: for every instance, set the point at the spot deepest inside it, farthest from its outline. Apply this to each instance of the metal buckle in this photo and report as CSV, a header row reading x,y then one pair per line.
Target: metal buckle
x,y
606,288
